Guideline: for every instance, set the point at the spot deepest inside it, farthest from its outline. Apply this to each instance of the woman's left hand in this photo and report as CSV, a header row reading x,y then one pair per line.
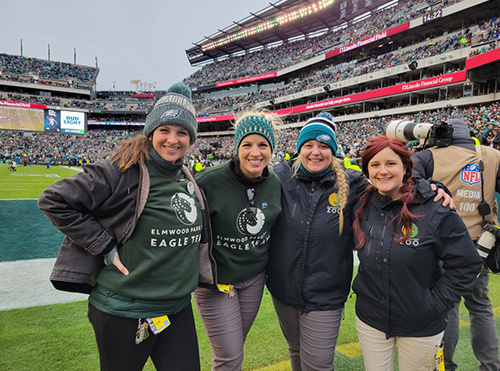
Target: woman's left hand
x,y
441,194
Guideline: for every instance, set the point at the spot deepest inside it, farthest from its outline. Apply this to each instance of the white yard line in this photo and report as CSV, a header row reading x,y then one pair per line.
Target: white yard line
x,y
25,283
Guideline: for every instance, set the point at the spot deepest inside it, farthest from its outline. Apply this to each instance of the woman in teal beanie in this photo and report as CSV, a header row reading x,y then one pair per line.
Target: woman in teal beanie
x,y
133,227
244,200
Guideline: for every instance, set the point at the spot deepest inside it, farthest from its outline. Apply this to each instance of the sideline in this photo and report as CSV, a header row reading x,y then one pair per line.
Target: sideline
x,y
25,283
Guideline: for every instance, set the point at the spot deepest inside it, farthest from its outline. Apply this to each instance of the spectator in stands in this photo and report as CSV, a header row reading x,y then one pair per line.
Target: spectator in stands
x,y
496,142
416,261
244,202
116,222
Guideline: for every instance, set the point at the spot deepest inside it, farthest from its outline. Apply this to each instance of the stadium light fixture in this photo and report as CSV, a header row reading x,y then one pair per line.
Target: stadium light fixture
x,y
267,25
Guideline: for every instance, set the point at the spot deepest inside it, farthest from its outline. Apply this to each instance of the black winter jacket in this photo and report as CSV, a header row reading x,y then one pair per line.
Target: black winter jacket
x,y
107,203
310,265
401,288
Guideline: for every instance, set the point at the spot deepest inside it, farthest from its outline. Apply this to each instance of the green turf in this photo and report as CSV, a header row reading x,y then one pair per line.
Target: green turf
x,y
59,337
20,217
30,181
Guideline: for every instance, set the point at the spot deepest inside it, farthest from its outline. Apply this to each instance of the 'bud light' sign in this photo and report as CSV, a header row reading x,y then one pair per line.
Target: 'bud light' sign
x,y
470,174
73,122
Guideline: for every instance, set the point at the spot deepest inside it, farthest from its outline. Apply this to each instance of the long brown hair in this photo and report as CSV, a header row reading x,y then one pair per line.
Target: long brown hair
x,y
405,217
132,151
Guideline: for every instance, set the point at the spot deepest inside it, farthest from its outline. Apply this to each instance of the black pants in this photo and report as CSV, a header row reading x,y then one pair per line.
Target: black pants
x,y
175,348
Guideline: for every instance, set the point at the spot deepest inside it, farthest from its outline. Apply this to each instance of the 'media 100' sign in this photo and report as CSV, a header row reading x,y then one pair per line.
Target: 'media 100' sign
x,y
64,122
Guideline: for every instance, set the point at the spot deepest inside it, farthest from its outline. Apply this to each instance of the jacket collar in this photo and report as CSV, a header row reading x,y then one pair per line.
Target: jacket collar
x,y
331,176
422,191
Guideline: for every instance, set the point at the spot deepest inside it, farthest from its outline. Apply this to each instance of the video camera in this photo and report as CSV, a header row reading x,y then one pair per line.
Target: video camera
x,y
432,134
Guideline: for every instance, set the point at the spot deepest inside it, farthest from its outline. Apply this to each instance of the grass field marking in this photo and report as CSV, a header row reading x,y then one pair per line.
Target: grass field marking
x,y
28,174
463,323
17,199
496,311
15,189
280,366
351,350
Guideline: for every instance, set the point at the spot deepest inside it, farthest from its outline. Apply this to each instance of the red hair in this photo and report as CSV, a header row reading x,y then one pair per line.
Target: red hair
x,y
373,147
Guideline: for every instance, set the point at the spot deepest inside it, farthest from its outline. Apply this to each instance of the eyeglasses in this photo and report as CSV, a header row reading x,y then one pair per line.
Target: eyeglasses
x,y
251,208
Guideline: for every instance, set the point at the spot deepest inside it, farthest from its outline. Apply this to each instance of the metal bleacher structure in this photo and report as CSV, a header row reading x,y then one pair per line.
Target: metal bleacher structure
x,y
343,57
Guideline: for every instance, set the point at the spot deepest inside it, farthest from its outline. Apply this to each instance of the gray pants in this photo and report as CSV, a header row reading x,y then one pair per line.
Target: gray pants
x,y
227,320
311,337
483,335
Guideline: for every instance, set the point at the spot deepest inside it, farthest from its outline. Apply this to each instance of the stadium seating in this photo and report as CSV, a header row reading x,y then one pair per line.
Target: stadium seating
x,y
304,76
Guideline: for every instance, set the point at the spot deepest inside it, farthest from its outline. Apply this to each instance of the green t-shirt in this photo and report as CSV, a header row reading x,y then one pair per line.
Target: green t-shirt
x,y
162,253
240,245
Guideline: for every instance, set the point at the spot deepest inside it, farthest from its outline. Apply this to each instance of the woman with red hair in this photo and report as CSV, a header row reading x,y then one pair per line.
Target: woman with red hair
x,y
416,261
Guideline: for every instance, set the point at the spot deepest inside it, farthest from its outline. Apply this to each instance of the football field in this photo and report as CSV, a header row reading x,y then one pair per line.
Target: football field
x,y
26,119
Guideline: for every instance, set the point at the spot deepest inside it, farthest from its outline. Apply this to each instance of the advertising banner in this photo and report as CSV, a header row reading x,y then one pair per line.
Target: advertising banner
x,y
52,121
368,40
384,92
246,79
482,59
72,122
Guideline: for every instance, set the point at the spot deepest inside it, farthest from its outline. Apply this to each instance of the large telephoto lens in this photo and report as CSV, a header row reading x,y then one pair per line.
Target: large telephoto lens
x,y
407,130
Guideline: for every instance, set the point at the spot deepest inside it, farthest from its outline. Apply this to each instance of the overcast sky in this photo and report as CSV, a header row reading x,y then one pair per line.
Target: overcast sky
x,y
132,39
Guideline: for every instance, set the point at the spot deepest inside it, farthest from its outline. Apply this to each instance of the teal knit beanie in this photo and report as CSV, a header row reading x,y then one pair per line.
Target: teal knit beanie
x,y
320,128
174,108
254,125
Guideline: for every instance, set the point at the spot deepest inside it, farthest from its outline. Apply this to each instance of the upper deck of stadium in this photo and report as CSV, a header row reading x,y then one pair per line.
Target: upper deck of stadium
x,y
288,20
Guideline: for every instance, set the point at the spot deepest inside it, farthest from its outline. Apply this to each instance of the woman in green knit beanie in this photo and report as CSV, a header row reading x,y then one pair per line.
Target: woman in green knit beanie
x,y
244,201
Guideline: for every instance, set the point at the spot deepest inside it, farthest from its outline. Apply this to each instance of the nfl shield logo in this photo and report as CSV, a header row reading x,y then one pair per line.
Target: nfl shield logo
x,y
470,174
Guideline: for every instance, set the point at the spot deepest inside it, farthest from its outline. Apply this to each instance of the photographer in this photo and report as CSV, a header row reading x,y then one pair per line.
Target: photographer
x,y
456,166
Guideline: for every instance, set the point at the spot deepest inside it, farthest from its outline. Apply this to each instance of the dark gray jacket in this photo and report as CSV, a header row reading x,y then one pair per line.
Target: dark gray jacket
x,y
108,204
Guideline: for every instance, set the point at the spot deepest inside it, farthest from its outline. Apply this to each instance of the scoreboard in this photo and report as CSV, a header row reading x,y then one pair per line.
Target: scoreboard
x,y
39,118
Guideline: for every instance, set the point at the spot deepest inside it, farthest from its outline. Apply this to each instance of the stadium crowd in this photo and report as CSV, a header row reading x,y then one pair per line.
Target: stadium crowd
x,y
484,34
483,122
289,54
25,69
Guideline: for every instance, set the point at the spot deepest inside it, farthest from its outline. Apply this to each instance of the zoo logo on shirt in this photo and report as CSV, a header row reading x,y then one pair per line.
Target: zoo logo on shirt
x,y
250,221
334,207
185,208
412,240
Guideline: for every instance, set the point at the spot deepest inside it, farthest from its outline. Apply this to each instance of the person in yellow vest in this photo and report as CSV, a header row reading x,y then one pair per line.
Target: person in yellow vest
x,y
349,165
198,166
456,166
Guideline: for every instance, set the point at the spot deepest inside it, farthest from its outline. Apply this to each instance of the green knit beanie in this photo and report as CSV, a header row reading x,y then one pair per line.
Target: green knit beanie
x,y
174,108
254,125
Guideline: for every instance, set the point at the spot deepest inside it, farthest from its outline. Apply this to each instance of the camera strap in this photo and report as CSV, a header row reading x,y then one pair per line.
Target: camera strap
x,y
483,208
